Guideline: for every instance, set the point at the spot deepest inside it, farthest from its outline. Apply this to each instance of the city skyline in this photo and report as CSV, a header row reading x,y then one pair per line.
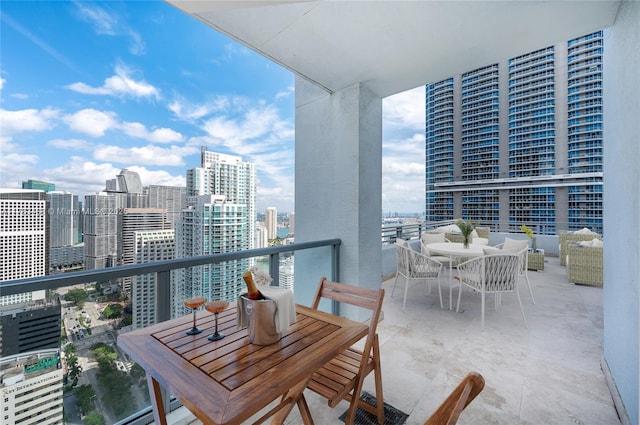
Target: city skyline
x,y
161,86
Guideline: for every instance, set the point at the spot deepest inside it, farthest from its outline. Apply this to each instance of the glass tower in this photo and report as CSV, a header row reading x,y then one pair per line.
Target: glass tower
x,y
520,141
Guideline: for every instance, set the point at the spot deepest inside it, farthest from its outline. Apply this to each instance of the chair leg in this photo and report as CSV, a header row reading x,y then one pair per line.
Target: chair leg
x,y
440,294
482,309
395,281
526,277
459,294
406,287
522,310
378,380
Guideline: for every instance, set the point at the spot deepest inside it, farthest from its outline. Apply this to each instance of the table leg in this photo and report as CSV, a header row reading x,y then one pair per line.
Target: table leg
x,y
450,282
293,396
155,391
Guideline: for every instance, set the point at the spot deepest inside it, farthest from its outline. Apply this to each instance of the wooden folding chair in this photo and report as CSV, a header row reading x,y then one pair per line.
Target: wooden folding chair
x,y
449,411
343,377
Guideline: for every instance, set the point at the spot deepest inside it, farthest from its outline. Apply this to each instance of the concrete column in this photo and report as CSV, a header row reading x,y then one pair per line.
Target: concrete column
x,y
621,309
338,184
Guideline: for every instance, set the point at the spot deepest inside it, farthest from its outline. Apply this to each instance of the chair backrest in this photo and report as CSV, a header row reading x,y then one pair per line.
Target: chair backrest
x,y
523,257
427,238
367,298
501,272
450,410
402,257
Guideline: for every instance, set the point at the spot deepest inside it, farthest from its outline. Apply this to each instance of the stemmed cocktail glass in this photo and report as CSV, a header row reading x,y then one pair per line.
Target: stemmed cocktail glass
x,y
194,303
216,307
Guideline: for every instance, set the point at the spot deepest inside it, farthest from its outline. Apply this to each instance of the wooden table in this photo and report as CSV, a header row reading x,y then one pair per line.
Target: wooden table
x,y
455,250
230,380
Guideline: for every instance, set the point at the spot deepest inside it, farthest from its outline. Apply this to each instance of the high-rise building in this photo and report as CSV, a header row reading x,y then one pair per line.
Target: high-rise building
x,y
227,175
38,185
151,245
212,225
261,237
520,142
171,198
292,223
23,239
102,222
64,214
100,231
31,387
271,222
29,326
130,221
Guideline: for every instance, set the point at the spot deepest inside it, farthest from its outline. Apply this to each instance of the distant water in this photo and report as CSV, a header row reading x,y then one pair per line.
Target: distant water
x,y
283,232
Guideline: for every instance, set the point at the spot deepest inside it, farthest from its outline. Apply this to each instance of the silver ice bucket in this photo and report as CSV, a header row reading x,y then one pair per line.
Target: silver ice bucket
x,y
261,321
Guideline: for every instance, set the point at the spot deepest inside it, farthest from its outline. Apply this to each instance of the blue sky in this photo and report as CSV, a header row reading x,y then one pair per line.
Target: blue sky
x,y
89,88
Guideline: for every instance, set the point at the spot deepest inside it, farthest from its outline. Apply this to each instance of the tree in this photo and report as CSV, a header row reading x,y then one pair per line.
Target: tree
x,y
76,296
94,419
69,349
112,311
85,396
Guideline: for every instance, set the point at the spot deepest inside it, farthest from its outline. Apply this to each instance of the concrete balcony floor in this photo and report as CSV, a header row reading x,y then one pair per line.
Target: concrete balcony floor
x,y
549,373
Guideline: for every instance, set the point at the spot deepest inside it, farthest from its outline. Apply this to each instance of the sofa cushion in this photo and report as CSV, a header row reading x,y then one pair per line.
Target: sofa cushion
x,y
491,250
514,245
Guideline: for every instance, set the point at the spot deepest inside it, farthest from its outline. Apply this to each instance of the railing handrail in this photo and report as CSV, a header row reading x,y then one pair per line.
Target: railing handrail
x,y
18,286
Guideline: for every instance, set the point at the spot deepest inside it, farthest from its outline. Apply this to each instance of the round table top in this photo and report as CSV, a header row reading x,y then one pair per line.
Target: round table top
x,y
456,249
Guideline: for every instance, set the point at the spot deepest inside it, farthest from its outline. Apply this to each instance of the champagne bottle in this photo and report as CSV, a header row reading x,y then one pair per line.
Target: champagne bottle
x,y
252,290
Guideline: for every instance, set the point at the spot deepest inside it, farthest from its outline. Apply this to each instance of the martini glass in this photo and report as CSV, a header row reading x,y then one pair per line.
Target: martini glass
x,y
216,307
193,304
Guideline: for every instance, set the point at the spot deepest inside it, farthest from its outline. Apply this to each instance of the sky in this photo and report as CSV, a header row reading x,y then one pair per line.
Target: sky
x,y
90,88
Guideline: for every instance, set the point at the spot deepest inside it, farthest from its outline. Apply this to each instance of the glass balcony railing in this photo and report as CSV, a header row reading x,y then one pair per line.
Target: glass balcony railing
x,y
101,379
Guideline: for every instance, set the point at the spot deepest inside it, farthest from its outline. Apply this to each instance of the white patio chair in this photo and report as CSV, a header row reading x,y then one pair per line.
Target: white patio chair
x,y
496,274
427,238
522,250
412,265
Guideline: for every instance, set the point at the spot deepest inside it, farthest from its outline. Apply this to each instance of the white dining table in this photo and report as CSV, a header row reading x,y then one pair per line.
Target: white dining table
x,y
454,250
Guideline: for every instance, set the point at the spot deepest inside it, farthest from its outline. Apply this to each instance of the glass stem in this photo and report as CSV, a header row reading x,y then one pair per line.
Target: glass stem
x,y
194,318
216,332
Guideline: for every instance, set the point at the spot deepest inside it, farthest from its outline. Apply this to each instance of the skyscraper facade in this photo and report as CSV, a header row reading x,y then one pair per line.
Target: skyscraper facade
x,y
100,231
23,239
38,185
271,222
171,198
64,218
228,175
130,221
31,388
29,326
212,225
520,142
150,245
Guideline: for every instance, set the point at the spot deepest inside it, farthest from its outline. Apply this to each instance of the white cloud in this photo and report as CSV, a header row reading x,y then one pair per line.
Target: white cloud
x,y
255,125
2,82
159,177
91,122
120,84
22,96
189,111
13,122
159,135
110,24
146,155
75,144
405,110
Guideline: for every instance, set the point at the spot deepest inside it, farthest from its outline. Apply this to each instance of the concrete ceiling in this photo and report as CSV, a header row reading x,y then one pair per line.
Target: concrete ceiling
x,y
393,46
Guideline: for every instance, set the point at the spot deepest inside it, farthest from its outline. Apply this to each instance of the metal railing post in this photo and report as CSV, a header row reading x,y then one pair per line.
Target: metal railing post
x,y
163,296
274,268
